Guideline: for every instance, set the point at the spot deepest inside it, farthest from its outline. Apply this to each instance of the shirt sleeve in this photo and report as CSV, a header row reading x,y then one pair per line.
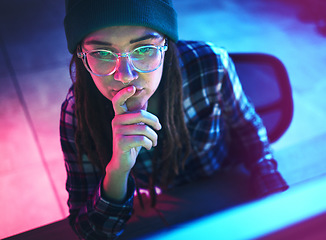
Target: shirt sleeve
x,y
91,216
219,116
248,131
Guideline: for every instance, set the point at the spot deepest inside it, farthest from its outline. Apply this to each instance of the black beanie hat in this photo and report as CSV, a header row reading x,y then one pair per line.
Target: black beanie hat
x,y
86,16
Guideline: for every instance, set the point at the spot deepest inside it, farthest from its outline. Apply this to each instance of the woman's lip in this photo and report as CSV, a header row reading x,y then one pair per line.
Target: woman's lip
x,y
138,91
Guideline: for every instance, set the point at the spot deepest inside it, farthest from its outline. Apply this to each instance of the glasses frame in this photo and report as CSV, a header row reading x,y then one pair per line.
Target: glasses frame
x,y
83,55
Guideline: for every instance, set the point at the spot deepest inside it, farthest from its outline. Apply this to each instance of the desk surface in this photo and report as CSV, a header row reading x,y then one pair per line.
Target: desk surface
x,y
176,205
300,211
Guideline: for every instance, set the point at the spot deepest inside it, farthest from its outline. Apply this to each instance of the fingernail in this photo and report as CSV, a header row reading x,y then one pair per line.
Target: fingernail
x,y
130,88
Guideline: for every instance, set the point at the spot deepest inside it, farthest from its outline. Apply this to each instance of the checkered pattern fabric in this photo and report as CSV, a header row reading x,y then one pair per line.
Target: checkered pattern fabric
x,y
214,104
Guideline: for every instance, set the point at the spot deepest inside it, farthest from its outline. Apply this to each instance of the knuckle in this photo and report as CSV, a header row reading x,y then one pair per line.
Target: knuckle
x,y
147,143
142,113
144,128
115,121
142,139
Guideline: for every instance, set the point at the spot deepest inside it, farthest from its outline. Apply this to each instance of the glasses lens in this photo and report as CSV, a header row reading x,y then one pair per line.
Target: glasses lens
x,y
101,62
146,58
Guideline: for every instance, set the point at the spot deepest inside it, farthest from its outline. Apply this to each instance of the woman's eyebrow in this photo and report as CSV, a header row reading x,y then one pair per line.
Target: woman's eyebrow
x,y
97,42
145,37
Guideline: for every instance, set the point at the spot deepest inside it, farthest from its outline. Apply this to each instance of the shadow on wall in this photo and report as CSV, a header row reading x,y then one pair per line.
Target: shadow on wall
x,y
310,11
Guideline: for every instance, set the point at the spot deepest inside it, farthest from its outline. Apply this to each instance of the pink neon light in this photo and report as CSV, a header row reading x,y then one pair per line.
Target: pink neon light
x,y
146,192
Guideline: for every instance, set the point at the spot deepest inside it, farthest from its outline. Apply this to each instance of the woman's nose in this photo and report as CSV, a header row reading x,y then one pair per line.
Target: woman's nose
x,y
124,71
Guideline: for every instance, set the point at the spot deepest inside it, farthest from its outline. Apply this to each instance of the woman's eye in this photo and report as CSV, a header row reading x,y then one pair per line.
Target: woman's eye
x,y
144,51
102,55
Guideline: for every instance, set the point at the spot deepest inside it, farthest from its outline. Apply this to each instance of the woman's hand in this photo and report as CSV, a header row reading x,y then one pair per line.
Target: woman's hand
x,y
131,131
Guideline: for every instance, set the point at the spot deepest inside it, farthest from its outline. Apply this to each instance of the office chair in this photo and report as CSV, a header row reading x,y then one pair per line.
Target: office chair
x,y
265,81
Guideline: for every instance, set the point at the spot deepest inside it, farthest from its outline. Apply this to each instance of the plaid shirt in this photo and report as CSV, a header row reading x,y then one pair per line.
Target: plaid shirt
x,y
214,104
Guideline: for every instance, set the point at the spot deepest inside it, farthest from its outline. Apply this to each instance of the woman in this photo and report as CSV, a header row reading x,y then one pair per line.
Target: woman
x,y
147,110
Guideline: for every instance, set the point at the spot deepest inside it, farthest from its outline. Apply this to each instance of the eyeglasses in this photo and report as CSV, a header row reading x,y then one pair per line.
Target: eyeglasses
x,y
143,59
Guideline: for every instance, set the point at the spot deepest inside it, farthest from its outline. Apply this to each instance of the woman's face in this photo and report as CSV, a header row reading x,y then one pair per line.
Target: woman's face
x,y
122,39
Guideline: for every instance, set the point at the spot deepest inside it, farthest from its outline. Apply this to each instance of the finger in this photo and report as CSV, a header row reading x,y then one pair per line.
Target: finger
x,y
140,117
119,100
139,130
128,142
